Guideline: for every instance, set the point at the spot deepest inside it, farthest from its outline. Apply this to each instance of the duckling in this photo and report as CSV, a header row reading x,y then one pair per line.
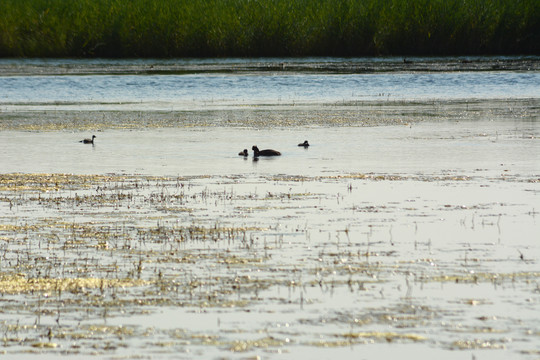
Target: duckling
x,y
243,153
266,152
89,141
304,144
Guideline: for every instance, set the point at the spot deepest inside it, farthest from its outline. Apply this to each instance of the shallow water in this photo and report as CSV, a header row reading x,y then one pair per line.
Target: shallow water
x,y
31,85
409,228
215,91
203,92
461,147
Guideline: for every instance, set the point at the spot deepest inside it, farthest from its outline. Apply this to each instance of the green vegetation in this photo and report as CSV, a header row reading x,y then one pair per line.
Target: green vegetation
x,y
209,28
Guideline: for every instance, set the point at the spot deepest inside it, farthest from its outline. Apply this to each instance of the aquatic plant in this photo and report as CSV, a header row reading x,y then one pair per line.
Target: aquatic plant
x,y
18,284
81,254
202,28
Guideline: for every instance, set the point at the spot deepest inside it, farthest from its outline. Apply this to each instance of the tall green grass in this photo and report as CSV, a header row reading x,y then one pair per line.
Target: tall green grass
x,y
208,28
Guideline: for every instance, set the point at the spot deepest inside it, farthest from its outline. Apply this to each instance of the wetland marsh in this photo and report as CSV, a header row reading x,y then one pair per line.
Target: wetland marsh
x,y
408,228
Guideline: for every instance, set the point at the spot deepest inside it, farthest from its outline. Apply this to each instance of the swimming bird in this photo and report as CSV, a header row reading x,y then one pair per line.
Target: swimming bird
x,y
89,141
304,144
266,152
243,153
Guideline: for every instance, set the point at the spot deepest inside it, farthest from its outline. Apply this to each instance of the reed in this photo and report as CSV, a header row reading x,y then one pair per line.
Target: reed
x,y
211,28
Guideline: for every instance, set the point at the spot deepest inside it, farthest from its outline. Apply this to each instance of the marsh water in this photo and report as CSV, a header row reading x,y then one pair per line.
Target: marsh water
x,y
408,228
191,85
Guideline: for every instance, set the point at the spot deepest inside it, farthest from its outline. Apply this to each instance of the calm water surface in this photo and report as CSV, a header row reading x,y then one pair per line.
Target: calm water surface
x,y
111,86
428,148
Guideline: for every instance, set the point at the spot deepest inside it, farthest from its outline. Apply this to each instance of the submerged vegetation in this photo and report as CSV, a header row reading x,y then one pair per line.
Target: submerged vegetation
x,y
120,265
208,28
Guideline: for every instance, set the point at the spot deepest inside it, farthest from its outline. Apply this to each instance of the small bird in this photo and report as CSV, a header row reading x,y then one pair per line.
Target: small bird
x,y
304,144
89,141
243,153
266,152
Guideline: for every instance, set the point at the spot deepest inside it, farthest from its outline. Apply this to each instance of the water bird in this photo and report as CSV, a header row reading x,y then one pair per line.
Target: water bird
x,y
243,153
266,152
89,141
304,144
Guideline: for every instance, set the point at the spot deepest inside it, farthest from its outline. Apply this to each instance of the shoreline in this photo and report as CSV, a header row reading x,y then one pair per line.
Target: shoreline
x,y
306,65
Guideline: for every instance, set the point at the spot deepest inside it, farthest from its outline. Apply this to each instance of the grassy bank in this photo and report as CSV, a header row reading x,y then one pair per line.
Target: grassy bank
x,y
201,28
